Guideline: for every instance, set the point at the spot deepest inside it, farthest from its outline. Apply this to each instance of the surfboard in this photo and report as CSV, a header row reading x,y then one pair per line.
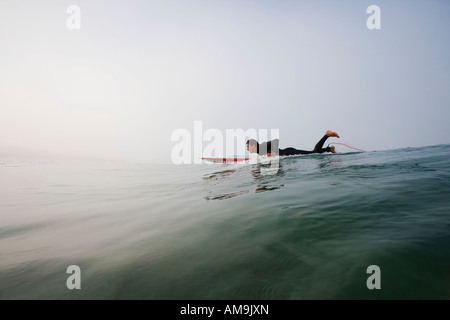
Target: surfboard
x,y
224,160
261,160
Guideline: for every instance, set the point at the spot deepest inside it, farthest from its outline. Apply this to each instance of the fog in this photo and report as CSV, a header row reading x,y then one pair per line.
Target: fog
x,y
136,71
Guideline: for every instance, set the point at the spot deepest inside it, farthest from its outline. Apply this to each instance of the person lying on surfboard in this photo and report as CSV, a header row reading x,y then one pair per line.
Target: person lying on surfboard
x,y
270,148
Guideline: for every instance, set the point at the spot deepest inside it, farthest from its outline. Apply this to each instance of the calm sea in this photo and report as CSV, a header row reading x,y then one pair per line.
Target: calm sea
x,y
140,231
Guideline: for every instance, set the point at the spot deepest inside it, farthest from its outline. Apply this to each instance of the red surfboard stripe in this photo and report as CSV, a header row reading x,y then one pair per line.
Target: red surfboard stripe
x,y
226,159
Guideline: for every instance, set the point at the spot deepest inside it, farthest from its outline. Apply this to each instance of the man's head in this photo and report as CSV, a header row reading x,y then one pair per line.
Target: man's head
x,y
252,146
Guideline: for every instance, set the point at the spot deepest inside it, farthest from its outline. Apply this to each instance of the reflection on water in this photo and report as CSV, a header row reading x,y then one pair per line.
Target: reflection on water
x,y
238,180
233,180
227,195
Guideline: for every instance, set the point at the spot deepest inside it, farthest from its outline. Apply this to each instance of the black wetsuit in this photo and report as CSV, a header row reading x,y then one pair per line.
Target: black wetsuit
x,y
267,147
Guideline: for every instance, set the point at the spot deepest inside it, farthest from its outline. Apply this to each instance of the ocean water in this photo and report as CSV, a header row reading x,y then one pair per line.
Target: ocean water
x,y
140,231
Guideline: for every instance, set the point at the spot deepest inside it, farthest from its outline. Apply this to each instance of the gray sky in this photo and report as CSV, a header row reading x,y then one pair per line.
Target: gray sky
x,y
138,70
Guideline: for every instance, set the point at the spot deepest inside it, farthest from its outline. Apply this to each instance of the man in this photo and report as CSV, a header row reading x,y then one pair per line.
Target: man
x,y
270,148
